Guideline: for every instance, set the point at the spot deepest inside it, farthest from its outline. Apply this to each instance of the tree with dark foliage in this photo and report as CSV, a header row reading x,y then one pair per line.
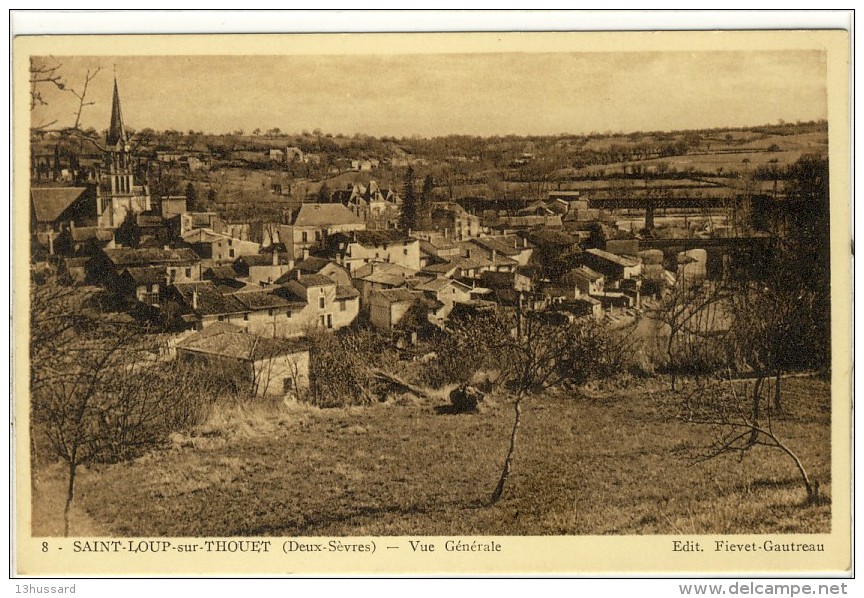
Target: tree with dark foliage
x,y
408,218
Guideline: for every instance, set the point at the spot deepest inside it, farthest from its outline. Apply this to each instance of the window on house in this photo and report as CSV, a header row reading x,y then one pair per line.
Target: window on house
x,y
320,302
322,321
317,235
188,272
304,236
172,274
245,317
269,312
329,321
230,253
229,243
405,251
342,306
288,314
287,384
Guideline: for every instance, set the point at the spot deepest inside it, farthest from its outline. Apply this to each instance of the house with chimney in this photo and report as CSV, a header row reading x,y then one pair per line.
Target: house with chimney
x,y
318,265
401,308
585,280
359,248
218,248
327,305
378,276
453,222
173,264
613,267
264,268
314,224
377,206
54,210
447,292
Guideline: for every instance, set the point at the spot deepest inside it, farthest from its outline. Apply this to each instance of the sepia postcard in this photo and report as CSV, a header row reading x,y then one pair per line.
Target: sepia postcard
x,y
432,304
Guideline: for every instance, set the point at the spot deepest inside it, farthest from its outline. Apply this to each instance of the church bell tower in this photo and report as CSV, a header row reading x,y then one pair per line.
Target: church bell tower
x,y
117,195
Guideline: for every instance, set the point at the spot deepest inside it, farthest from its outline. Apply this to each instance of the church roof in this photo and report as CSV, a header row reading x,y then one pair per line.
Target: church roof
x,y
116,132
49,203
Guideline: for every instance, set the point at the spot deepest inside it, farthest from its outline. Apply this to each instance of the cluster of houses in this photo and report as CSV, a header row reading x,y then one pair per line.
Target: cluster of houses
x,y
342,262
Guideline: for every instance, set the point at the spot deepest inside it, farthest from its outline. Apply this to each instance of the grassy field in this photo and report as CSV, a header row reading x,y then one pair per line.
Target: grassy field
x,y
601,462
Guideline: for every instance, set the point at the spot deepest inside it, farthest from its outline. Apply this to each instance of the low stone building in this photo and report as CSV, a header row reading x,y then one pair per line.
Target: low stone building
x,y
272,367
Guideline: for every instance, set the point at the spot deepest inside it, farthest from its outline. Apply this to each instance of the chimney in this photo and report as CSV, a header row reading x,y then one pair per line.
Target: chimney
x,y
195,298
524,241
275,258
515,242
494,256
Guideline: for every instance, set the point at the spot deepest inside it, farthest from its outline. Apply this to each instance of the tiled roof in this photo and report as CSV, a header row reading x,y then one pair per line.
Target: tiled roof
x,y
386,278
441,268
436,284
322,215
147,275
475,261
125,256
611,257
398,295
262,300
220,272
210,301
203,235
311,265
260,259
144,219
226,340
314,280
50,202
508,245
585,273
85,233
346,292
378,237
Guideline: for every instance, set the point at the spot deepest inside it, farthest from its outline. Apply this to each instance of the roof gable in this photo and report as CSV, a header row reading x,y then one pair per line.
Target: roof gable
x,y
50,203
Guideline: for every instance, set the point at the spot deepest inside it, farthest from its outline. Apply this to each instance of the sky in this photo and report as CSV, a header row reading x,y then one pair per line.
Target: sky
x,y
440,94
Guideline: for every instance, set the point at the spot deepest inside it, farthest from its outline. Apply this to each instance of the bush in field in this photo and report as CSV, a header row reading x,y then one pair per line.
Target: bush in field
x,y
472,342
342,368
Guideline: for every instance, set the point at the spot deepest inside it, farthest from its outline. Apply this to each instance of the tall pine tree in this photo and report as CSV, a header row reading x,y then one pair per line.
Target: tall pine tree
x,y
424,206
191,197
408,218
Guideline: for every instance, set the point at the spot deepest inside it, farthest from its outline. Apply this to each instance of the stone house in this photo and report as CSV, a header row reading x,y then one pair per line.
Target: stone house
x,y
272,367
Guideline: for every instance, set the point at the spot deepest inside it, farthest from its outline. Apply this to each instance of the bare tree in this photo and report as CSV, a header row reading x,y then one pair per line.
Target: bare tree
x,y
730,410
543,354
48,73
98,391
72,404
689,312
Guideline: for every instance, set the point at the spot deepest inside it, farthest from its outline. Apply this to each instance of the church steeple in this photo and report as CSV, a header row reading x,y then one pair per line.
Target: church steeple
x,y
116,132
